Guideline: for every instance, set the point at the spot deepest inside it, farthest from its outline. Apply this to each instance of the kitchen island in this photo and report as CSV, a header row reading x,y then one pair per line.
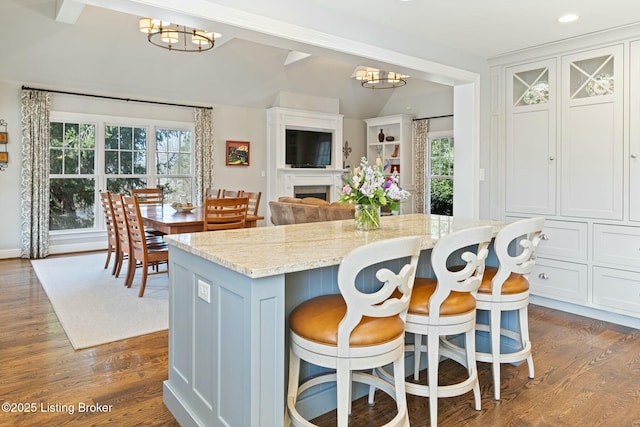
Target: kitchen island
x,y
230,296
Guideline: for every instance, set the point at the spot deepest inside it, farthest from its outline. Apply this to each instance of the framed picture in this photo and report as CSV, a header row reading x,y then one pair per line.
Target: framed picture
x,y
4,157
4,138
395,168
238,153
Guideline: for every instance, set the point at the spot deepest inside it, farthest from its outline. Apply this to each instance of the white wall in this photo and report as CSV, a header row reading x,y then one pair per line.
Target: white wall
x,y
10,178
355,131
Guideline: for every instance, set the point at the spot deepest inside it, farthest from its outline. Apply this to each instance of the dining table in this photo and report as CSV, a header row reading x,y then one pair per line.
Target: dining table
x,y
168,220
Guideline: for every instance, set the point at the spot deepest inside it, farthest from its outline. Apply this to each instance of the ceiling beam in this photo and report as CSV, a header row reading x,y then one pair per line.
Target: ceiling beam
x,y
295,56
68,11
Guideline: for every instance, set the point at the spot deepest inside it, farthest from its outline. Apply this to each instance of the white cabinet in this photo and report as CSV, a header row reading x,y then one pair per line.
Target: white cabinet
x,y
561,268
570,152
634,134
390,138
530,176
592,134
615,244
564,281
617,290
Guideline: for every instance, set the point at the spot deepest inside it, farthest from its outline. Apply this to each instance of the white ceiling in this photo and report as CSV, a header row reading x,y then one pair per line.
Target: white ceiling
x,y
247,66
486,28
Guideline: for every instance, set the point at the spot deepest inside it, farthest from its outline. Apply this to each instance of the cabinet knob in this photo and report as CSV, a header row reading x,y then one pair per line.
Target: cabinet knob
x,y
543,276
544,237
634,156
552,158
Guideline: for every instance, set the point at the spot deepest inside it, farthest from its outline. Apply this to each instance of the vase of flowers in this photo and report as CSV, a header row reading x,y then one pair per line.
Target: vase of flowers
x,y
370,188
367,217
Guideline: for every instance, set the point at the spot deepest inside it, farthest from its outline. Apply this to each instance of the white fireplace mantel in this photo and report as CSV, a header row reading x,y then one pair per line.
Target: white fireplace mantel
x,y
289,179
282,178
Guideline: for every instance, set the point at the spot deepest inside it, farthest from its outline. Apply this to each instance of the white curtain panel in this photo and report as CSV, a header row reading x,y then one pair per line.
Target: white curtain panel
x,y
34,186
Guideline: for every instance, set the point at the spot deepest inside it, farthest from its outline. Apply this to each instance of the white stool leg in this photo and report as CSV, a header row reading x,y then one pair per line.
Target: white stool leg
x,y
294,379
343,383
472,367
417,352
433,356
401,394
495,316
524,336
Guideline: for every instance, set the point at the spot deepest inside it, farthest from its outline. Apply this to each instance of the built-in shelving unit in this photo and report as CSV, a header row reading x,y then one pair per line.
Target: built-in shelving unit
x,y
394,148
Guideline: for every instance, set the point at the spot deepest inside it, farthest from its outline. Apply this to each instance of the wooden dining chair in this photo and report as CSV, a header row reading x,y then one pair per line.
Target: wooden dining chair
x,y
120,220
254,201
230,193
113,243
142,253
212,192
225,213
149,196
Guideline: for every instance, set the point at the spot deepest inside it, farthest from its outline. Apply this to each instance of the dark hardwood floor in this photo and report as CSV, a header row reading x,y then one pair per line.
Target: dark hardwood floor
x,y
587,373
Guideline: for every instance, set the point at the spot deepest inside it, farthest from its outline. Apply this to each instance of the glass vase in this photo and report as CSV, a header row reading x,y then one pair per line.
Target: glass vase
x,y
367,217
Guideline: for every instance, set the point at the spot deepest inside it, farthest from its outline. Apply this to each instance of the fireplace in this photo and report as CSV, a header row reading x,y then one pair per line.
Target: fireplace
x,y
317,191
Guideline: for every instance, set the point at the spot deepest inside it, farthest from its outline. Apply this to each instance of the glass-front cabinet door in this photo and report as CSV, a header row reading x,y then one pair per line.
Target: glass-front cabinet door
x,y
592,137
530,173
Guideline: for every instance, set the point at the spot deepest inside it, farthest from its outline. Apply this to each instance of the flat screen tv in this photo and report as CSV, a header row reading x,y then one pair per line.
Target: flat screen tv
x,y
308,149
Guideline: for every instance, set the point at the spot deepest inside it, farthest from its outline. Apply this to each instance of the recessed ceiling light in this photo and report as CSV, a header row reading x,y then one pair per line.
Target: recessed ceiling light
x,y
568,18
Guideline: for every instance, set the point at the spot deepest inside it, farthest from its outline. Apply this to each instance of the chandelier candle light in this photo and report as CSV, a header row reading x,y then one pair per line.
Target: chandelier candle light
x,y
175,37
369,188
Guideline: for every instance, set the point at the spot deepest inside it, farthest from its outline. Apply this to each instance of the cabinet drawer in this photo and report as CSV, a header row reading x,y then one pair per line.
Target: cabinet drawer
x,y
616,244
616,289
564,239
566,281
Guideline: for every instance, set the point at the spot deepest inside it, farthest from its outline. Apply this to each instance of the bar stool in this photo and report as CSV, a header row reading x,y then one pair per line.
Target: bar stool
x,y
355,330
446,306
506,288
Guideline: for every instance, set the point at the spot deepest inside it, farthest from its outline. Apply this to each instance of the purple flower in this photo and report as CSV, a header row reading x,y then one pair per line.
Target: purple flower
x,y
346,189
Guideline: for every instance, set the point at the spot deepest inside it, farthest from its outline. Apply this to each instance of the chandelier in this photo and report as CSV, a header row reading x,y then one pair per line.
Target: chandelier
x,y
372,78
176,37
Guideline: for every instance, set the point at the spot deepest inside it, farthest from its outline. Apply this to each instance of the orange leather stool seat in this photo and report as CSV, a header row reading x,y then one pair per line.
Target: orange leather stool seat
x,y
318,319
515,283
456,303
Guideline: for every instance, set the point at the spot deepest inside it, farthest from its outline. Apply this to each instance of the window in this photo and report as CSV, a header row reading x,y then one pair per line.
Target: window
x,y
441,175
125,158
72,175
88,155
174,163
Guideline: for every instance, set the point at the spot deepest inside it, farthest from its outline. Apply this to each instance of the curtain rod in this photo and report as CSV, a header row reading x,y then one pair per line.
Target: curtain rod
x,y
117,98
434,117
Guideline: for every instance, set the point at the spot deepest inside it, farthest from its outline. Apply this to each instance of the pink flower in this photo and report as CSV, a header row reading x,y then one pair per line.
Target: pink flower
x,y
346,189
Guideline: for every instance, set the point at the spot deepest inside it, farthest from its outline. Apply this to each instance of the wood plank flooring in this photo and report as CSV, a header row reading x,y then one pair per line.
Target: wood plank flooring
x,y
587,373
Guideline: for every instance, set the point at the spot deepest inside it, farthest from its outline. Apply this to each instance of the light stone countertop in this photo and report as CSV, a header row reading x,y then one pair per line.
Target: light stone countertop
x,y
267,251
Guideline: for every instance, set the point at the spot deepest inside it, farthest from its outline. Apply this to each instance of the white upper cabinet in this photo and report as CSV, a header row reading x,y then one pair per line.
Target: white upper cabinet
x,y
530,152
592,139
634,134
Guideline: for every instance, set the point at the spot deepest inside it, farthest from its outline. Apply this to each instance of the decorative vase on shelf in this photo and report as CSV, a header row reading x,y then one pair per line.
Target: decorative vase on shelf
x,y
367,217
381,136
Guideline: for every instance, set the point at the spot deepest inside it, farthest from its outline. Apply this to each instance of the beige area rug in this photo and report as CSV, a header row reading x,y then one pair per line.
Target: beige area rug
x,y
96,308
